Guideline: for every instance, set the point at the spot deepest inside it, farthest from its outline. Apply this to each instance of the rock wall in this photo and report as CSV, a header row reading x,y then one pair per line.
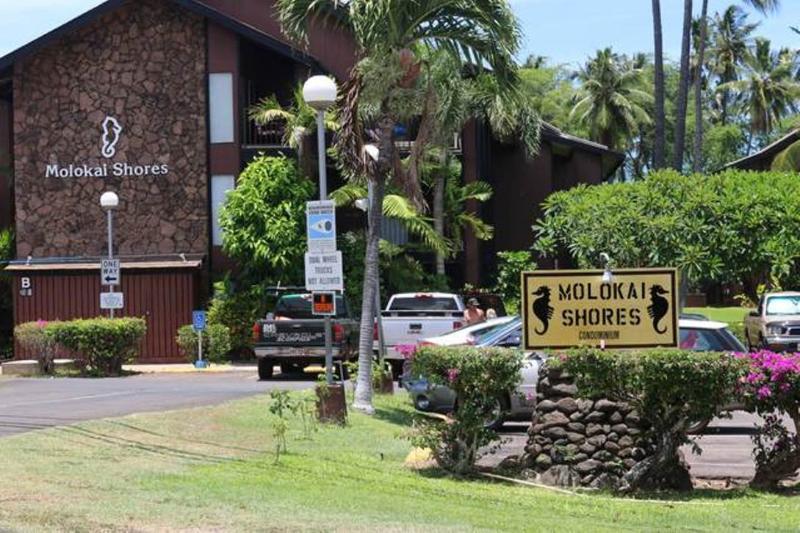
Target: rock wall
x,y
144,65
575,442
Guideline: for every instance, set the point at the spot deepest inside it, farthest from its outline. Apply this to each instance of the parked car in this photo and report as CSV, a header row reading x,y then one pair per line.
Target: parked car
x,y
411,317
516,405
775,324
698,335
293,337
467,334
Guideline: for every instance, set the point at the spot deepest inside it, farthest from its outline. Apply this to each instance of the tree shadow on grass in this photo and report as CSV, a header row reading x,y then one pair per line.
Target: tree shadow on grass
x,y
395,415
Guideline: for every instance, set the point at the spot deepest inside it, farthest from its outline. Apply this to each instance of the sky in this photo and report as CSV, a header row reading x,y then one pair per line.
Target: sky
x,y
565,31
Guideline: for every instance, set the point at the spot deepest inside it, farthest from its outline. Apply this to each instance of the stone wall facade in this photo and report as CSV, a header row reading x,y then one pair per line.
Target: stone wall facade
x,y
143,64
575,442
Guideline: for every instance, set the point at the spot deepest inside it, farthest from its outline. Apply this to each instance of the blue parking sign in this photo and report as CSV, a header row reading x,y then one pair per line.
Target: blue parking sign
x,y
199,320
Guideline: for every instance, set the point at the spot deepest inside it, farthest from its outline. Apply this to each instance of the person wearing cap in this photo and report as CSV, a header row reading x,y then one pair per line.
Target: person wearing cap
x,y
473,314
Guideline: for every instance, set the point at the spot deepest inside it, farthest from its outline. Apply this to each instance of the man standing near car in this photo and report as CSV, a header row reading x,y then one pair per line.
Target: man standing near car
x,y
473,314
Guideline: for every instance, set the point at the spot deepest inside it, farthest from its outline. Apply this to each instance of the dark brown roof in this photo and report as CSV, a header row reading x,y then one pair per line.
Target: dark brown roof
x,y
611,158
762,159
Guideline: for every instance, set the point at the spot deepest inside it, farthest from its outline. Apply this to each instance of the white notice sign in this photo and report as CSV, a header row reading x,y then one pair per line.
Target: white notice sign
x,y
321,226
111,300
324,271
109,272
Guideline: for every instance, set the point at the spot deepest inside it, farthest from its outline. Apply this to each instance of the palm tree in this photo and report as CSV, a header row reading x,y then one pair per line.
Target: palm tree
x,y
764,6
610,101
769,87
389,35
660,141
731,39
683,88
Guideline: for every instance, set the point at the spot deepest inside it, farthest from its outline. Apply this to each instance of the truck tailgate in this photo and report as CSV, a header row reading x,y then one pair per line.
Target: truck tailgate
x,y
410,330
292,333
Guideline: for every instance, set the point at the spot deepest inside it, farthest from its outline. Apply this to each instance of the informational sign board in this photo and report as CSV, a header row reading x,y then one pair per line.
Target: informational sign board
x,y
109,272
636,308
111,300
324,271
324,304
321,226
199,320
25,287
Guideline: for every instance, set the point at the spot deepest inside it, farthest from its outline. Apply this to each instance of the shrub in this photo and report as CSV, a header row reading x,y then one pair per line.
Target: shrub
x,y
105,344
216,342
510,267
36,339
668,388
480,378
237,311
771,388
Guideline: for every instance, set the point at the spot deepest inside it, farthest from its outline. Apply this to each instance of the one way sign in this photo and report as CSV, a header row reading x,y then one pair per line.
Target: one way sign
x,y
109,272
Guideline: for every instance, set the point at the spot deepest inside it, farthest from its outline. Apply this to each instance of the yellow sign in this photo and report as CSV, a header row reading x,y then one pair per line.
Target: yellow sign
x,y
636,308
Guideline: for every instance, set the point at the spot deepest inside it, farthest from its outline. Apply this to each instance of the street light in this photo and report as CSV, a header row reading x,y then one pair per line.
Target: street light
x,y
320,93
608,276
109,201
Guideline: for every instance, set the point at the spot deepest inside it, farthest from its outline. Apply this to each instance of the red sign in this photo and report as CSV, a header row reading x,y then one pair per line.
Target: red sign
x,y
324,303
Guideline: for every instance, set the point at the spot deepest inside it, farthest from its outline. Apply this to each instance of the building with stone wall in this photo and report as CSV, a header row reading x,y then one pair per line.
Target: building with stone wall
x,y
149,99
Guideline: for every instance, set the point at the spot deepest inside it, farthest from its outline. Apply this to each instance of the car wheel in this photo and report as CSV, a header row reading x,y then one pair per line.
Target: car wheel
x,y
698,426
265,368
748,343
498,416
762,343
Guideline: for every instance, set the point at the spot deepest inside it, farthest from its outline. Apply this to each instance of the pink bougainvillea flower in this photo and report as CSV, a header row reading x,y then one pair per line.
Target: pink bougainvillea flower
x,y
452,375
764,392
406,350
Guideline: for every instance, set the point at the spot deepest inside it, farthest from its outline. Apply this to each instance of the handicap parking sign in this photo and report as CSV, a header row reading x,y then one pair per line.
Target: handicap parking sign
x,y
199,320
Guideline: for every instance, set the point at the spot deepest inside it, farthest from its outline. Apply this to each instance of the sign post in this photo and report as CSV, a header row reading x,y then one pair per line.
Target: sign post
x,y
199,325
632,308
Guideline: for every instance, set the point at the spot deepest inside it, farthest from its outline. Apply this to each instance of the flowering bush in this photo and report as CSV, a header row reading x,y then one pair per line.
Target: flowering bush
x,y
668,388
771,388
482,379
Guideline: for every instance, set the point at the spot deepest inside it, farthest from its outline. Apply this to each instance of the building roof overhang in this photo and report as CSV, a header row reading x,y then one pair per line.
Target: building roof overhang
x,y
194,6
611,159
768,152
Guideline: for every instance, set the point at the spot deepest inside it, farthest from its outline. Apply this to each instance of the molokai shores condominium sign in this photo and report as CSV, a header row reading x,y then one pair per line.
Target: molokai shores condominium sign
x,y
111,134
569,308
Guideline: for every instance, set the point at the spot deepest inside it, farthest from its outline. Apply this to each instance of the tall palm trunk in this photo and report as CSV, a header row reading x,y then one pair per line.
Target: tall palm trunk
x,y
683,88
363,394
697,154
660,142
438,204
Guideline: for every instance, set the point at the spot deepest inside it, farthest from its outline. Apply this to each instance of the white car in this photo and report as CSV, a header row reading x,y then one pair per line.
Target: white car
x,y
467,334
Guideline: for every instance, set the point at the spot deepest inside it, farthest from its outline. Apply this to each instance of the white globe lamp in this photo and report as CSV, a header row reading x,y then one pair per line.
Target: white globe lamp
x,y
109,200
319,92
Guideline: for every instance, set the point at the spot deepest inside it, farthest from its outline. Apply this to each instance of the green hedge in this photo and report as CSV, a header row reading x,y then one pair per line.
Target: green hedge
x,y
216,342
104,344
37,340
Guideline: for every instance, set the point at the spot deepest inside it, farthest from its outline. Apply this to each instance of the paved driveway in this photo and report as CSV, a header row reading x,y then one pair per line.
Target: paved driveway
x,y
29,404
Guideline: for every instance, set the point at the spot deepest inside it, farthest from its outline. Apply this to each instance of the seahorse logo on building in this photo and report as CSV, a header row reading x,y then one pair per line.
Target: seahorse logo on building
x,y
111,133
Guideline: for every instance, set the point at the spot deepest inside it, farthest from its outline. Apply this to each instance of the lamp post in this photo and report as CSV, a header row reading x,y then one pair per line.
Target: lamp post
x,y
320,93
109,201
608,276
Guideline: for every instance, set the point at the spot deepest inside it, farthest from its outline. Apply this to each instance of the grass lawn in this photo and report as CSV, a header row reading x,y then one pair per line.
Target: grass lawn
x,y
212,469
721,314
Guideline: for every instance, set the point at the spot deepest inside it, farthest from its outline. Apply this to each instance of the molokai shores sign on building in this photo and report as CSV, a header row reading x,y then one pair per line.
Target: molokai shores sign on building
x,y
637,308
111,132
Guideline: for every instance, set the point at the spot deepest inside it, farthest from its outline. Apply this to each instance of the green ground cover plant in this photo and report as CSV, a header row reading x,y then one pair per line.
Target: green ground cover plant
x,y
211,468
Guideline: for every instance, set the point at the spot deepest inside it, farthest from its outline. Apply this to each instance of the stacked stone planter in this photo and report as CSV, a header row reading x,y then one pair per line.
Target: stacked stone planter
x,y
575,442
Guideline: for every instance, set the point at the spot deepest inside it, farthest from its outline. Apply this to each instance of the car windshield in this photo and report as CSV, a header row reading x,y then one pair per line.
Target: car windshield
x,y
423,303
709,340
482,328
783,305
298,307
496,334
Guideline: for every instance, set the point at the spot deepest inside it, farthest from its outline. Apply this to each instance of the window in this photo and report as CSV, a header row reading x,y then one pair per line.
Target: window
x,y
783,305
220,186
220,107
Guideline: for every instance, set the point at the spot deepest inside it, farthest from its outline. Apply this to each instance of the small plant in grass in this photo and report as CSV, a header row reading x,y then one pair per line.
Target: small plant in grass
x,y
216,342
480,378
771,388
379,372
36,339
668,388
282,405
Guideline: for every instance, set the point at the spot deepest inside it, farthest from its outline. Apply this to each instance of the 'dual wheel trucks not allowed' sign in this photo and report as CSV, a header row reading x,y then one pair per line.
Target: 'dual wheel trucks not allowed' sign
x,y
630,309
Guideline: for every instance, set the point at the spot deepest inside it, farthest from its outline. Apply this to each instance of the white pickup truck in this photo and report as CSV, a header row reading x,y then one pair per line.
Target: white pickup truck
x,y
775,324
411,317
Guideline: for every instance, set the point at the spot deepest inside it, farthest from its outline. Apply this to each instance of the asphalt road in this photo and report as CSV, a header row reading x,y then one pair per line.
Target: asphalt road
x,y
726,447
30,404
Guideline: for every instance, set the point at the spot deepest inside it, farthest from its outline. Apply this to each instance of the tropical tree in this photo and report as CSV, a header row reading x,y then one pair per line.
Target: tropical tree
x,y
391,36
732,35
660,139
769,86
683,88
611,101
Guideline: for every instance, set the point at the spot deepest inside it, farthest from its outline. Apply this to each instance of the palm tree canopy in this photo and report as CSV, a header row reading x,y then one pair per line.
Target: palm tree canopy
x,y
611,101
764,6
481,32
